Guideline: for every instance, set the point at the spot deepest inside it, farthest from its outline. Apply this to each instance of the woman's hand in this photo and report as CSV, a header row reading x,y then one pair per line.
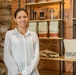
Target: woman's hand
x,y
19,74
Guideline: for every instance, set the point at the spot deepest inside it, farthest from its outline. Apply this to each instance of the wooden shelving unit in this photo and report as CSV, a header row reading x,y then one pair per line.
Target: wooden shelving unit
x,y
46,20
44,3
61,58
73,18
50,38
44,72
61,20
74,32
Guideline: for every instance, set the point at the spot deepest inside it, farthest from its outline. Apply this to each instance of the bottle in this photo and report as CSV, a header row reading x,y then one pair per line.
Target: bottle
x,y
34,15
52,14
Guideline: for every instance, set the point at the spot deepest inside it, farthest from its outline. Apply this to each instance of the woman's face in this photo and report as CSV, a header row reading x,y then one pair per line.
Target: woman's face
x,y
22,19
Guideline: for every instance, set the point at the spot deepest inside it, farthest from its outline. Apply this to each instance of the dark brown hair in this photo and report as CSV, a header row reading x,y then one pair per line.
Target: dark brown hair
x,y
18,10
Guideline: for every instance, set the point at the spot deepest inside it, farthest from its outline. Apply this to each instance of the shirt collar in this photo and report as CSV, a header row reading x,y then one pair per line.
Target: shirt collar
x,y
17,32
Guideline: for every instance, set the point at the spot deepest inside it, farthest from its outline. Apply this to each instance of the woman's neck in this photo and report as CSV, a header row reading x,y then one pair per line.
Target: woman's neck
x,y
22,30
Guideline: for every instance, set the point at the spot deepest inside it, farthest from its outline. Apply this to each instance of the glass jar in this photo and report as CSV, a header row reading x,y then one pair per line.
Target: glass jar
x,y
52,14
41,16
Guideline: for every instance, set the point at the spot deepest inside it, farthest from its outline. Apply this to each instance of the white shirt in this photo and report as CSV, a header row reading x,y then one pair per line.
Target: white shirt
x,y
21,53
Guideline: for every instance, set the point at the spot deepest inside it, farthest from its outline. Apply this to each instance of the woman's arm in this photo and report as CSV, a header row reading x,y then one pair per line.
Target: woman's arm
x,y
8,58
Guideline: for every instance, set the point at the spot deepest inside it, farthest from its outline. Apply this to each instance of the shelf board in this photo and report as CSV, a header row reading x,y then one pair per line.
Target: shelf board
x,y
6,1
50,38
62,58
73,18
46,20
44,3
46,72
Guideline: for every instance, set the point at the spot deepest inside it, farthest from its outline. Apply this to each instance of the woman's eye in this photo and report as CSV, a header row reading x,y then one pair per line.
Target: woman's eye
x,y
25,17
19,17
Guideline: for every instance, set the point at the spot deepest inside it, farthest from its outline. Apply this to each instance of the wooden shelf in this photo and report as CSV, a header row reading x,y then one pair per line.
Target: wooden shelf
x,y
45,72
46,20
50,38
62,58
73,18
6,1
43,3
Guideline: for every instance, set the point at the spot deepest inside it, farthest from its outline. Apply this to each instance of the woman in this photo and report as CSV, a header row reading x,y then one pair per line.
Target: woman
x,y
21,47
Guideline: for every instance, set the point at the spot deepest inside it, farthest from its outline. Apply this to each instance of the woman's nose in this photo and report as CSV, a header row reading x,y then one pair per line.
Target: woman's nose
x,y
23,19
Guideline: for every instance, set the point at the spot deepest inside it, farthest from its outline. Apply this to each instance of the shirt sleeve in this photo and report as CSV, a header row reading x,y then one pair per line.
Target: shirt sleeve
x,y
35,61
8,58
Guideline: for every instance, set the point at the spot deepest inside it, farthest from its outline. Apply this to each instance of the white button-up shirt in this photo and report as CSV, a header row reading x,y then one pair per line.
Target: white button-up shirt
x,y
21,53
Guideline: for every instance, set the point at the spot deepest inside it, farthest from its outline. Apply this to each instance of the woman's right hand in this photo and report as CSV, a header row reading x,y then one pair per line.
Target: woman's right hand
x,y
19,74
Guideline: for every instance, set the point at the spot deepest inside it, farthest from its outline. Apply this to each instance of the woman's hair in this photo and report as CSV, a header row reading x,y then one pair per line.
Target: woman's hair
x,y
18,10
